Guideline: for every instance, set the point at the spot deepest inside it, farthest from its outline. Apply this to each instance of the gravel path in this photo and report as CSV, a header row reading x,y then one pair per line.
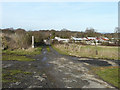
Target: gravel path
x,y
53,70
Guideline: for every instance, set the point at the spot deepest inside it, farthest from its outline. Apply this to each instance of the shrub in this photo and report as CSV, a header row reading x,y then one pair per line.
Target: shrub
x,y
19,39
105,43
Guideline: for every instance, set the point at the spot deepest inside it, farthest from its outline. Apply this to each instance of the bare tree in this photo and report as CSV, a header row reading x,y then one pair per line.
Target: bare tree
x,y
117,30
90,30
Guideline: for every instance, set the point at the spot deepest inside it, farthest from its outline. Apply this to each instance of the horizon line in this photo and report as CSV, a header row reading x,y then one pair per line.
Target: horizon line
x,y
54,29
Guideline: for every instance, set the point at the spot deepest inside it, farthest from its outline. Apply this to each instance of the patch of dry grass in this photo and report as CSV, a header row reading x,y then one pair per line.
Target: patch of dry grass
x,y
103,52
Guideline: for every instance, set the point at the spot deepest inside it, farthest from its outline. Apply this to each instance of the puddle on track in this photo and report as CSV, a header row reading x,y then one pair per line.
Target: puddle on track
x,y
44,52
47,64
90,61
96,62
44,59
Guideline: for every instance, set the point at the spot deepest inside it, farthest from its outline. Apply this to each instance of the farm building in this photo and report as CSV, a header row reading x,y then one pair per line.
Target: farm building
x,y
61,39
87,40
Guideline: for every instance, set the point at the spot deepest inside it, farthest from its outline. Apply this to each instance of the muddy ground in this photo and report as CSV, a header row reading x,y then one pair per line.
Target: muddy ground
x,y
53,70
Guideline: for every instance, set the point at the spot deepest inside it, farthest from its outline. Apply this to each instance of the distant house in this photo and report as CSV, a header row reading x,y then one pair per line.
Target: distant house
x,y
76,39
105,38
91,38
79,39
85,39
88,40
61,39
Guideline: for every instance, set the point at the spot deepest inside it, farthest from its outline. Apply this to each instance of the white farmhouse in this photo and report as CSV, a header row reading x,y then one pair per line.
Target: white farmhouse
x,y
76,39
61,39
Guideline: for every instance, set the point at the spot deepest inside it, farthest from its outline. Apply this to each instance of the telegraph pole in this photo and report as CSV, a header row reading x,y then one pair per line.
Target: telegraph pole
x,y
32,41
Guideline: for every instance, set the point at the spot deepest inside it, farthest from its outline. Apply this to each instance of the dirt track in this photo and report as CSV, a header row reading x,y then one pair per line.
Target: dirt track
x,y
53,70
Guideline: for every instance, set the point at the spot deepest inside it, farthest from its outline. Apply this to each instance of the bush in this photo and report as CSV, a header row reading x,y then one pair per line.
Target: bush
x,y
19,39
105,43
55,42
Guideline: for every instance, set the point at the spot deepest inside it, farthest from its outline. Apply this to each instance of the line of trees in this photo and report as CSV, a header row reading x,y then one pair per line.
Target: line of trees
x,y
20,38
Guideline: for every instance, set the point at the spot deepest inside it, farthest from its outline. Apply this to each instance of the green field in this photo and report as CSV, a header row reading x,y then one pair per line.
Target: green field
x,y
109,74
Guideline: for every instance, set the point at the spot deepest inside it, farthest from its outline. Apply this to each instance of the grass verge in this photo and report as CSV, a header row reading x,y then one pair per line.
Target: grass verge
x,y
11,75
100,52
21,55
59,50
30,51
48,49
18,58
109,74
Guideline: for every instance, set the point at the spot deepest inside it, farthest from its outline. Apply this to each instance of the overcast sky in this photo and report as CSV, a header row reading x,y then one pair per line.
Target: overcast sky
x,y
75,16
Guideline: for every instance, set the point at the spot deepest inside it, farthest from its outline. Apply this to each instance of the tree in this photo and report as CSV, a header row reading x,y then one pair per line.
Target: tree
x,y
20,31
52,35
64,29
117,30
90,30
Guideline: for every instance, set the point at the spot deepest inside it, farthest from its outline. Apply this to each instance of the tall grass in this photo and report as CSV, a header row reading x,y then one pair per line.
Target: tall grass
x,y
104,52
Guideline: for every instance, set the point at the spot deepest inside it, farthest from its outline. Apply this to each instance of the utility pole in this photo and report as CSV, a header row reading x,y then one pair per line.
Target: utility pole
x,y
32,41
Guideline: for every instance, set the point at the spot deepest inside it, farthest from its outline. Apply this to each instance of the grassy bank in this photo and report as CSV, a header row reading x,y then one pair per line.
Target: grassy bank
x,y
103,52
18,58
30,51
109,74
20,55
59,50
